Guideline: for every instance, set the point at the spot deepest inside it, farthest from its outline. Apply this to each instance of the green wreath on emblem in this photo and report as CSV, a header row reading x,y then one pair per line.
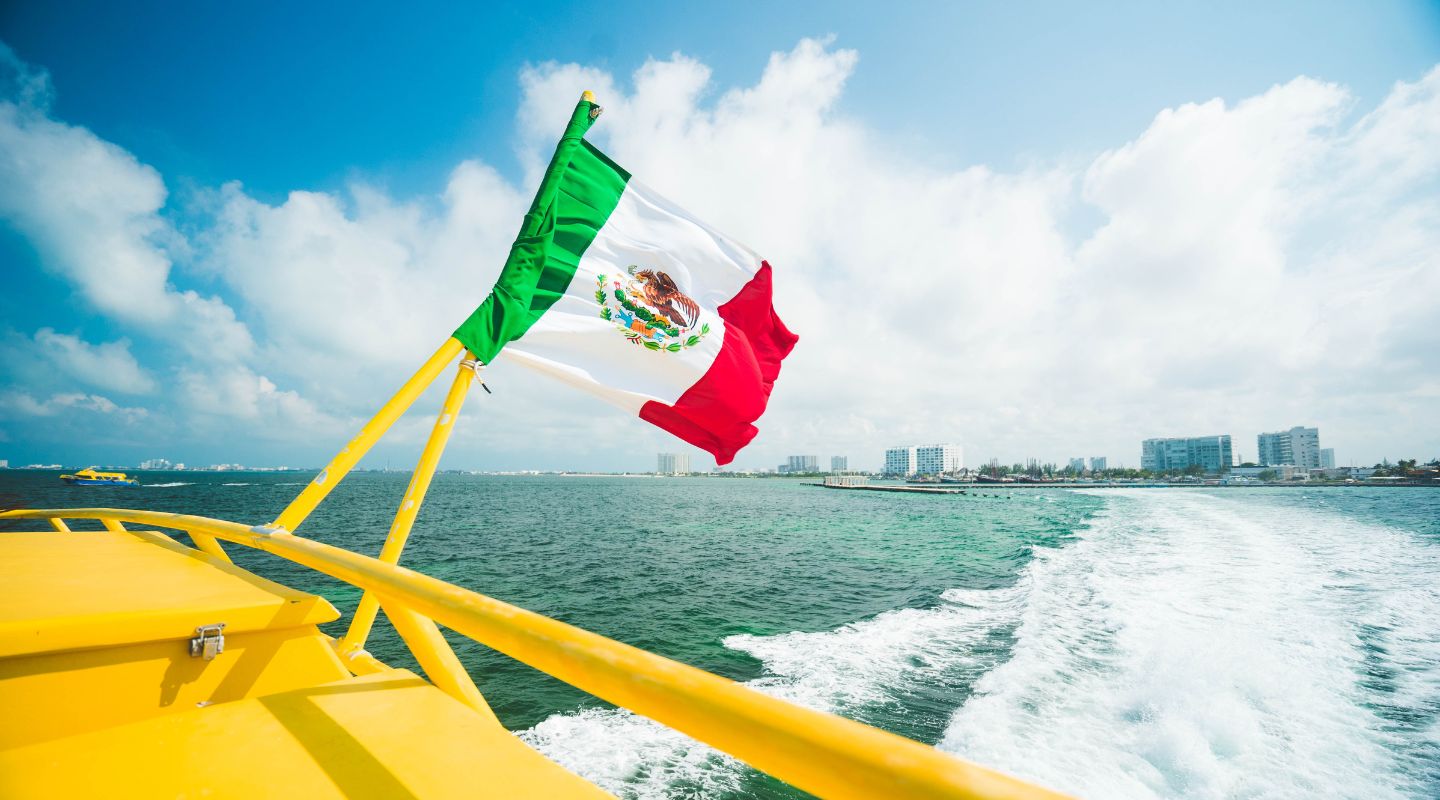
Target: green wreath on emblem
x,y
656,327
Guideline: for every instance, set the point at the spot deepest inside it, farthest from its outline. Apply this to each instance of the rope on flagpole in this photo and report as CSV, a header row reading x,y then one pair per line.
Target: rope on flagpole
x,y
475,365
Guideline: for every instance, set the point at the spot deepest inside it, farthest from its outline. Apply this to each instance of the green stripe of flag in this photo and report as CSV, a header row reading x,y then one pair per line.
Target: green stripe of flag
x,y
580,189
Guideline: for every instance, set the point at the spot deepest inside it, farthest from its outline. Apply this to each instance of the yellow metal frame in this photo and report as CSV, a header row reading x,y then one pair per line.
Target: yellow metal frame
x,y
814,751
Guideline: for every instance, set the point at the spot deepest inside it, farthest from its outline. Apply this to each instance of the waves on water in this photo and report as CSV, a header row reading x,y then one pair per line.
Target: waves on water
x,y
236,484
876,662
166,485
1184,645
1198,646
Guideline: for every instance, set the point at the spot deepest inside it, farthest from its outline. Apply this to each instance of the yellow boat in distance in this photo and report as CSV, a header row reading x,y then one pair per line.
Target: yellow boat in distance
x,y
93,477
133,664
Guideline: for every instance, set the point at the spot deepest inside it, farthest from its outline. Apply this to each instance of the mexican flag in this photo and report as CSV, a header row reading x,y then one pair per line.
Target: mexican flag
x,y
614,289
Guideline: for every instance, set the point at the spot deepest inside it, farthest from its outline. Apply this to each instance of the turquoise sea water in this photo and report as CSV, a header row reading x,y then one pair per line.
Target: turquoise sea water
x,y
1112,643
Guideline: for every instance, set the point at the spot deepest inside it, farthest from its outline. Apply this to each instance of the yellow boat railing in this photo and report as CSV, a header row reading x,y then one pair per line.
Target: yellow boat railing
x,y
818,752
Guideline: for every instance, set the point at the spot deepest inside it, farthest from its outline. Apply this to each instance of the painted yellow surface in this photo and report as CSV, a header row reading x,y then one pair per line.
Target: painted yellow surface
x,y
821,753
383,736
52,695
87,590
95,630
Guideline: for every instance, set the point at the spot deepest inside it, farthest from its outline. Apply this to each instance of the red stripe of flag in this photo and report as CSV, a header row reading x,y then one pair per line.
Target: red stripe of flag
x,y
716,413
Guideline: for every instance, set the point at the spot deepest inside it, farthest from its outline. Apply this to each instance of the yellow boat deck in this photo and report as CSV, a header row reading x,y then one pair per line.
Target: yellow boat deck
x,y
103,697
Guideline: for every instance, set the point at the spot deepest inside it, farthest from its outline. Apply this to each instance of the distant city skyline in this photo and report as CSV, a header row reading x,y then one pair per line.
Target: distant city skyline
x,y
1189,219
1273,449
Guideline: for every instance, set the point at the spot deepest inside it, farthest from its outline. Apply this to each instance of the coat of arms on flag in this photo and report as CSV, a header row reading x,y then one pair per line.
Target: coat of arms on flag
x,y
684,336
651,311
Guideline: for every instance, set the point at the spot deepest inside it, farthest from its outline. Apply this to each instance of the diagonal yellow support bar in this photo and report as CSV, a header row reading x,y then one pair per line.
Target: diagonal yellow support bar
x,y
410,505
59,525
439,661
346,459
207,544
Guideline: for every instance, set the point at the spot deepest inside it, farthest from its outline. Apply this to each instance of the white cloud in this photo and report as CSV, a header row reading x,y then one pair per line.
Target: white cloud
x,y
1220,292
92,210
1237,266
22,404
109,365
341,289
225,398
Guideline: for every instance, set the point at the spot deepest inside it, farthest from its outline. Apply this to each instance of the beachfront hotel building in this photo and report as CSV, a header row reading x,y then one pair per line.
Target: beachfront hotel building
x,y
1097,464
1299,447
900,461
1211,453
938,459
839,463
1327,458
672,463
1077,465
924,459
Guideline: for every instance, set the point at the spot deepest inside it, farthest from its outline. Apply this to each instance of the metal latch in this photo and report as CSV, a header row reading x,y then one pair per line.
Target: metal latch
x,y
209,641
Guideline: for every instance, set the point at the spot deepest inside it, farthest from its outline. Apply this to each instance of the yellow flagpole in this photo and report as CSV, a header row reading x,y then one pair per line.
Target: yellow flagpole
x,y
346,459
410,505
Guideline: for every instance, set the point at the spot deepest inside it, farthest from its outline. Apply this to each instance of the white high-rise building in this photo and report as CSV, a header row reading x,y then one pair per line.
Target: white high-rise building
x,y
1327,458
672,463
937,459
900,461
1077,465
839,463
1097,464
1299,447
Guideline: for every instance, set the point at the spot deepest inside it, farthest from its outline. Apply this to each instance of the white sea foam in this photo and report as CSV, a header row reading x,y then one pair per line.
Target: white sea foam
x,y
235,484
1199,646
632,756
869,662
861,664
166,485
1185,645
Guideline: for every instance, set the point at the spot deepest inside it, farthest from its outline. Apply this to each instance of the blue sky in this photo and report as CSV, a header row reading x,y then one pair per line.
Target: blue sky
x,y
289,97
233,109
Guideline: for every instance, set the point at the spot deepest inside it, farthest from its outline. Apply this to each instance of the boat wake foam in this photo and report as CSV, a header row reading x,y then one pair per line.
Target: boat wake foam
x,y
857,666
166,485
1183,645
1198,646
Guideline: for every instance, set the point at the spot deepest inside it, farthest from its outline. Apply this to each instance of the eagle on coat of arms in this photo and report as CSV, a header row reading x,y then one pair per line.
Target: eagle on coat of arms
x,y
650,310
661,294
